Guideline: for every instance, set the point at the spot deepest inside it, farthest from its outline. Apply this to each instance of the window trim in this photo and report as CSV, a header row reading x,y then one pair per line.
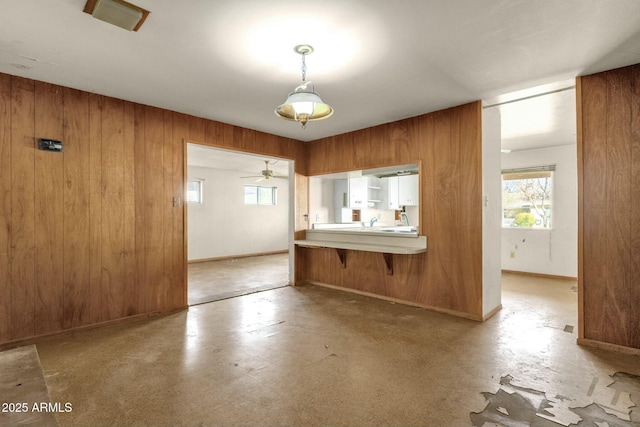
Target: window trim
x,y
200,200
274,195
532,172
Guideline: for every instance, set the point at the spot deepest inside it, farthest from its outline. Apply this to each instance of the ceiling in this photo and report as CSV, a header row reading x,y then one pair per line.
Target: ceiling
x,y
375,61
203,156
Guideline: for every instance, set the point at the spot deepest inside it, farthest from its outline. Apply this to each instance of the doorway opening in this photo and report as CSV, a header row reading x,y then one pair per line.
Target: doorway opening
x,y
538,217
238,220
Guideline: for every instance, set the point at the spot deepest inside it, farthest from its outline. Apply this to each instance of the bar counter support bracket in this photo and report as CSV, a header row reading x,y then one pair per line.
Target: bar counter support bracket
x,y
342,254
388,259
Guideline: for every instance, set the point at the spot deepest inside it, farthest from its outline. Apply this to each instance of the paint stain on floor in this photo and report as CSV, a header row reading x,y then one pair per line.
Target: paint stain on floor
x,y
612,404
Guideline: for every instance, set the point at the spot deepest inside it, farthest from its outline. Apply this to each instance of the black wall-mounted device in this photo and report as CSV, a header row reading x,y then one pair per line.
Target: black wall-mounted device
x,y
50,145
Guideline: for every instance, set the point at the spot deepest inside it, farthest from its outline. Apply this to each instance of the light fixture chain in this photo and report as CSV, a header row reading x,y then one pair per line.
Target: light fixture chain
x,y
304,69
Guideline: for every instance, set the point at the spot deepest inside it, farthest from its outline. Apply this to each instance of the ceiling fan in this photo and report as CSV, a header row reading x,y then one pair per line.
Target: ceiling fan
x,y
266,173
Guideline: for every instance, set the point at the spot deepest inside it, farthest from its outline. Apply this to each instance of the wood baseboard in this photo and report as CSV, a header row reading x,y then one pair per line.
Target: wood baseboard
x,y
397,300
609,347
221,258
34,340
542,275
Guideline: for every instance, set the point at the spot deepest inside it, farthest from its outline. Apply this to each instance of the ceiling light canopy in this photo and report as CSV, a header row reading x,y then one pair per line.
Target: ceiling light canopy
x,y
304,104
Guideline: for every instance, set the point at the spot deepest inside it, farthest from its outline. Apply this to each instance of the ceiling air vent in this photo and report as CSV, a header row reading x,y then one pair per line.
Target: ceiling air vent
x,y
117,12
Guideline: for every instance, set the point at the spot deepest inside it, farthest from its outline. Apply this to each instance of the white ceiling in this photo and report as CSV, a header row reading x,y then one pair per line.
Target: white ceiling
x,y
375,61
203,156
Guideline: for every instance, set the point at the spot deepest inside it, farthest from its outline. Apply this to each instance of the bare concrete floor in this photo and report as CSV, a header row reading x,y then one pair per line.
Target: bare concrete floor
x,y
307,356
227,278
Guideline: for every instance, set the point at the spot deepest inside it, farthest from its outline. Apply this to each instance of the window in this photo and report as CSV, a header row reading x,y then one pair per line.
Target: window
x,y
257,195
194,191
526,197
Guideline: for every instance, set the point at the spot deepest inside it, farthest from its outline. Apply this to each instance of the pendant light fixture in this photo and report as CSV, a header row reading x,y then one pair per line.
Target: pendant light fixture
x,y
304,104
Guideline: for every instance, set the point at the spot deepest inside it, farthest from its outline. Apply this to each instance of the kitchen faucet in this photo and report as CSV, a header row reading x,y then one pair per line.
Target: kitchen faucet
x,y
403,216
373,221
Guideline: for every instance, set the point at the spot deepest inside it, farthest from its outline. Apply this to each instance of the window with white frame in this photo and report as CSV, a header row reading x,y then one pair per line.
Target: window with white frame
x,y
194,191
260,195
526,197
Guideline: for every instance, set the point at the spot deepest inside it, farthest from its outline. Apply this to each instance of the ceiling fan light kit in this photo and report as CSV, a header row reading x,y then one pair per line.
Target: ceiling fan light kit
x,y
304,104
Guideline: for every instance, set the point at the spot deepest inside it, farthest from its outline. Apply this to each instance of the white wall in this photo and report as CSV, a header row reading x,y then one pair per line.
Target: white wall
x,y
321,200
491,211
224,226
554,251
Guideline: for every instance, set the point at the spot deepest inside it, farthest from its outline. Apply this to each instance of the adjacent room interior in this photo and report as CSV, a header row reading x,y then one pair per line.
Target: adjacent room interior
x,y
238,222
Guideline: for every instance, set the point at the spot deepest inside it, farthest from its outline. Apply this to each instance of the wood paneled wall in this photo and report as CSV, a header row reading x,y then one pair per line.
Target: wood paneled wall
x,y
609,200
91,235
448,146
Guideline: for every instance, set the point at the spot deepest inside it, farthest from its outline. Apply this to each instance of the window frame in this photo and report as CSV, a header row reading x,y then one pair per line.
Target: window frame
x,y
547,208
200,199
273,198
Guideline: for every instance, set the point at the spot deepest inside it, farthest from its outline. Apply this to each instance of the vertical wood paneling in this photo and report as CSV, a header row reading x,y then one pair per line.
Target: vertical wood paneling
x,y
140,293
129,210
76,259
197,129
23,292
95,208
49,214
5,209
112,191
634,308
91,234
153,206
469,177
618,190
179,280
594,178
447,144
167,211
440,244
610,175
301,208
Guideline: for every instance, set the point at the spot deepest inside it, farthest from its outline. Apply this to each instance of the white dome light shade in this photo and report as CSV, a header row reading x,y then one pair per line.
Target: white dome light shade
x,y
304,105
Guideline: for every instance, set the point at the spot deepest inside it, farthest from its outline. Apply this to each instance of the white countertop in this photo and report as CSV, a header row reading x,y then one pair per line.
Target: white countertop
x,y
392,240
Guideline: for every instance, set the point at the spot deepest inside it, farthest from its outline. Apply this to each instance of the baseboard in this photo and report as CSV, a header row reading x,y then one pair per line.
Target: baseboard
x,y
35,339
221,258
609,347
542,275
398,301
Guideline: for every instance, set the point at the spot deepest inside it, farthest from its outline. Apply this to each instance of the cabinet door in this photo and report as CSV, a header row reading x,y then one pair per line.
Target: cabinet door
x,y
358,193
408,190
392,193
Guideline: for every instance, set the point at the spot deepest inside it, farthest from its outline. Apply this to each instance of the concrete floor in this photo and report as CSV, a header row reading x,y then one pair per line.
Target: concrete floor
x,y
226,278
306,356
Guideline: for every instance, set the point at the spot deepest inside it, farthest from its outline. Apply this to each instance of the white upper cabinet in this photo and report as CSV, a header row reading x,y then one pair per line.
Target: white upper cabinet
x,y
358,193
366,192
408,190
402,191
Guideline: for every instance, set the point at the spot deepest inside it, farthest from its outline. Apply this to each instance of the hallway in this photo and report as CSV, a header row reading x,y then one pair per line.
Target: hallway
x,y
308,355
